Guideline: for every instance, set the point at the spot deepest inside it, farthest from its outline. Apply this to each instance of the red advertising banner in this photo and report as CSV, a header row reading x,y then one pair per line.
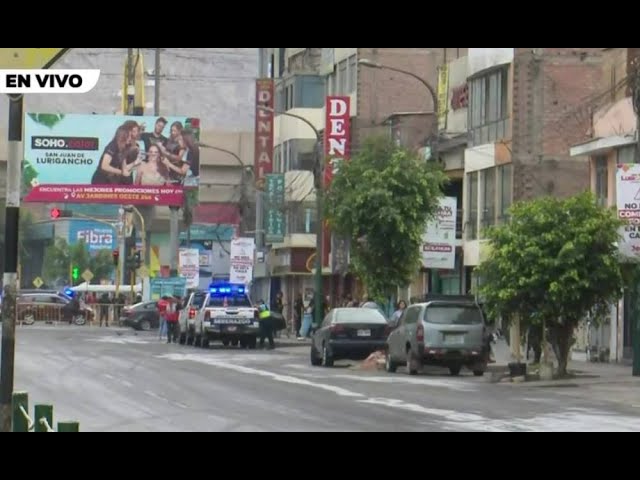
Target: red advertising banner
x,y
130,194
337,138
264,127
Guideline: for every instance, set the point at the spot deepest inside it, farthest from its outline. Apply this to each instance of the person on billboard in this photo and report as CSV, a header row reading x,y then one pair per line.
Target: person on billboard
x,y
132,157
155,137
153,171
110,168
173,153
193,152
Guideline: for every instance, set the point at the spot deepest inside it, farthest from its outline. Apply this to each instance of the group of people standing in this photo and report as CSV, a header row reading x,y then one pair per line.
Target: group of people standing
x,y
163,160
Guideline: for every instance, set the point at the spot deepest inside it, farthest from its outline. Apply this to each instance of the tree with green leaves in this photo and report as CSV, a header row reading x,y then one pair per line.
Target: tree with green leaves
x,y
382,200
60,253
555,264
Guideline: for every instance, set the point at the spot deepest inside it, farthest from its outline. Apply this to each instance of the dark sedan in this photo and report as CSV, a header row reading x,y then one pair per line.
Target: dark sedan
x,y
141,316
349,333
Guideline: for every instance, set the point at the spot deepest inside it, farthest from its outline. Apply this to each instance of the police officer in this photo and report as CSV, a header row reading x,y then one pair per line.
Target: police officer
x,y
266,327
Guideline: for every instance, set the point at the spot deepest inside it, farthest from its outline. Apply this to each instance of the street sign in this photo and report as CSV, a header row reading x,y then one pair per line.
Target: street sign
x,y
29,58
87,275
38,282
275,218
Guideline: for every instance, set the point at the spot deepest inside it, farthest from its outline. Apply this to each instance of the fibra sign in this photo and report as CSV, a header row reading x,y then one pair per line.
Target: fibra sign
x,y
97,236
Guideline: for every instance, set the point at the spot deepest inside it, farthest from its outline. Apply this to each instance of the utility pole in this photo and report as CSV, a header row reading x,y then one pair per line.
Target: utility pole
x,y
319,181
10,278
635,328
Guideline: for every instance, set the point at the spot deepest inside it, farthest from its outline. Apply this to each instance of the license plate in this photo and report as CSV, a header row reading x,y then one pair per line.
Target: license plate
x,y
364,333
454,339
232,329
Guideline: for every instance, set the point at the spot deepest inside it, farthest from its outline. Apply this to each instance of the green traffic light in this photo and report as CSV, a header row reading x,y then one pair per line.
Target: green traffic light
x,y
75,274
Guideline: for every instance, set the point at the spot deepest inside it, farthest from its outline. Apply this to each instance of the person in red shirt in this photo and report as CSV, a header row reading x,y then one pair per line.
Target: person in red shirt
x,y
163,310
172,321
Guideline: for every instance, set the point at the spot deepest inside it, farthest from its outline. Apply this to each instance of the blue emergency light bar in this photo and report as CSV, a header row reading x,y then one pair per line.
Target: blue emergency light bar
x,y
68,292
228,289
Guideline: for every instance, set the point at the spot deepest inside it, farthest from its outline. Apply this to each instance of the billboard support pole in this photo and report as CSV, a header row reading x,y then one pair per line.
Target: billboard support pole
x,y
10,278
173,240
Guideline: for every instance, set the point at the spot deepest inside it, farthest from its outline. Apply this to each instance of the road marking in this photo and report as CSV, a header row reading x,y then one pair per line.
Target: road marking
x,y
568,420
449,415
120,340
181,405
156,396
180,357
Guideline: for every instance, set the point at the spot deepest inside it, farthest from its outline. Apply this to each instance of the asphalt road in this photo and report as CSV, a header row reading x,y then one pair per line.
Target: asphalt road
x,y
116,380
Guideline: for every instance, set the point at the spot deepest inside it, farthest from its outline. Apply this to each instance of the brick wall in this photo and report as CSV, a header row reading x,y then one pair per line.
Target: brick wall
x,y
554,93
383,92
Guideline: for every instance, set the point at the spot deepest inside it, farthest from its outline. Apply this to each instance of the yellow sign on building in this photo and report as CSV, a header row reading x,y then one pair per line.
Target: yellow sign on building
x,y
443,96
29,58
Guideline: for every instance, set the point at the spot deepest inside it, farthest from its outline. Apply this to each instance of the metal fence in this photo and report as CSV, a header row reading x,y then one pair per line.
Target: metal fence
x,y
89,314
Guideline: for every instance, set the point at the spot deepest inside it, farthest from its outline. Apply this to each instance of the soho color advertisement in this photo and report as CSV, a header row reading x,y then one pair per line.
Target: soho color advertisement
x,y
110,159
628,205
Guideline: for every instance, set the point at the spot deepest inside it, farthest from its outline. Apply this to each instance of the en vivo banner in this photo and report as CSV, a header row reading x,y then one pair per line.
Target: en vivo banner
x,y
241,259
439,240
628,204
110,159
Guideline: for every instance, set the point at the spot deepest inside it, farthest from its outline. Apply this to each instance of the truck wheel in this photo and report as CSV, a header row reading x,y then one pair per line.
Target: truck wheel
x,y
252,343
225,342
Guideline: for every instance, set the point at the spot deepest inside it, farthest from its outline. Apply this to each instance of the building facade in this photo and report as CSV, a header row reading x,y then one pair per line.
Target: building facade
x,y
613,141
382,102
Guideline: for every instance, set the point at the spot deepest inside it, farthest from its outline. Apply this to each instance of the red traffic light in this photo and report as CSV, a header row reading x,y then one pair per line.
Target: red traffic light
x,y
116,256
55,213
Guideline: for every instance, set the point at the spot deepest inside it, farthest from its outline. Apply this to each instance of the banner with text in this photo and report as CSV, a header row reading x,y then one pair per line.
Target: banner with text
x,y
274,218
110,159
264,127
628,201
97,236
439,240
189,265
337,139
242,255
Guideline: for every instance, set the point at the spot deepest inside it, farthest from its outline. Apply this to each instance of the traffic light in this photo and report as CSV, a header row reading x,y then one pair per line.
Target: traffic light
x,y
57,213
137,259
116,257
75,273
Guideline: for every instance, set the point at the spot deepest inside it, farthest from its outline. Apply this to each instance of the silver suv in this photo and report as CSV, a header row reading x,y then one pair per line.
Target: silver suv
x,y
445,331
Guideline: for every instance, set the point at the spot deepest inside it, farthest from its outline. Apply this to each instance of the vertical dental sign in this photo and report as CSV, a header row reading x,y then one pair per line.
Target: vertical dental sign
x,y
264,128
337,137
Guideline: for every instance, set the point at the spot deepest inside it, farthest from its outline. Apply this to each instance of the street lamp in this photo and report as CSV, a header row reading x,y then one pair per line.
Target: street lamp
x,y
318,167
368,63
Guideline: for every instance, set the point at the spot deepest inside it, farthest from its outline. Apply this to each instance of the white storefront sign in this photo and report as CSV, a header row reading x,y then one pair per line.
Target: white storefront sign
x,y
628,204
439,240
241,259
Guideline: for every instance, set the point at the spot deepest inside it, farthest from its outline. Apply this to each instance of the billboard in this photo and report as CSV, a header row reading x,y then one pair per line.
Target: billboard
x,y
628,205
439,239
97,236
264,127
110,159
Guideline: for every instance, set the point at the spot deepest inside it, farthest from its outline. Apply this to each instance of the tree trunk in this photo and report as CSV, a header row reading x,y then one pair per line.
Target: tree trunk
x,y
562,344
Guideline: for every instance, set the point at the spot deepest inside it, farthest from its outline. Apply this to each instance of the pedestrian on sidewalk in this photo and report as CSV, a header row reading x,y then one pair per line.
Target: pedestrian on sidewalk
x,y
172,320
298,312
163,309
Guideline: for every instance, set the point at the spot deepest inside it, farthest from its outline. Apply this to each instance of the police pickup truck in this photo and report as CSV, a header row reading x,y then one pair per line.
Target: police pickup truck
x,y
224,313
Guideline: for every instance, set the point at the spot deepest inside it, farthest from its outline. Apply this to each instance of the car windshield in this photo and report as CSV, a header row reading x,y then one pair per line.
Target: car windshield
x,y
453,315
229,300
359,315
198,300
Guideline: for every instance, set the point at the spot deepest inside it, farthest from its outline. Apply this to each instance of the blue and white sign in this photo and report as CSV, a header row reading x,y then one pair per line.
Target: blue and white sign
x,y
97,236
